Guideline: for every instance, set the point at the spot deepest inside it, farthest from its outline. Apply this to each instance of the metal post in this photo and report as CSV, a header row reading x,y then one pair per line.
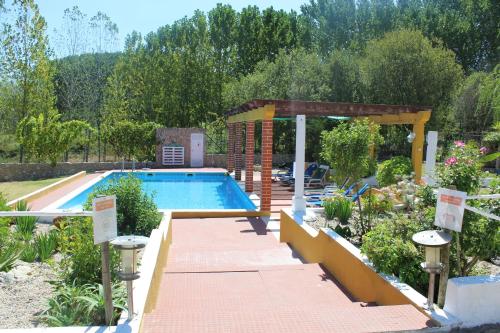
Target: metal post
x,y
430,297
130,300
106,283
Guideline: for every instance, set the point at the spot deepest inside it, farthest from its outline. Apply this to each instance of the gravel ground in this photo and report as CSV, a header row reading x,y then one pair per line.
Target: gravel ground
x,y
24,292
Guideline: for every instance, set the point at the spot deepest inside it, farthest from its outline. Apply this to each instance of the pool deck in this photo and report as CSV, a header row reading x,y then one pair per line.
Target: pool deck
x,y
49,198
233,275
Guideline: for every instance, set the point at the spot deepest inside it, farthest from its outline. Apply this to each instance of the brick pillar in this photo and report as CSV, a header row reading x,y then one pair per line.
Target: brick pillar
x,y
230,147
267,165
237,151
249,154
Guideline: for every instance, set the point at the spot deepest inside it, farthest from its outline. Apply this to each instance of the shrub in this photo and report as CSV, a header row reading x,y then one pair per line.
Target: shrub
x,y
136,211
8,255
25,225
479,237
4,222
29,253
45,245
374,205
9,251
462,169
343,231
389,169
82,305
389,246
81,262
347,148
426,196
329,206
343,209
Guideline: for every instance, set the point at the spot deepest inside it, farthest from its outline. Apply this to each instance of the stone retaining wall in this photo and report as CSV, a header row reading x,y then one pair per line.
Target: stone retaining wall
x,y
33,171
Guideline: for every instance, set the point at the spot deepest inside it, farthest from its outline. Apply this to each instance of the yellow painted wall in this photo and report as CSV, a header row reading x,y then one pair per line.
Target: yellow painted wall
x,y
361,281
161,261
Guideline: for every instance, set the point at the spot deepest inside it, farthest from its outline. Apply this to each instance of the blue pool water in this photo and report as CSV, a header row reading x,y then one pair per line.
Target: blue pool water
x,y
173,190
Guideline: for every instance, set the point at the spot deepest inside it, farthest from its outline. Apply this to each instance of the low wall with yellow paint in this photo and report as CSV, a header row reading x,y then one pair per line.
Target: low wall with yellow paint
x,y
339,257
147,286
165,231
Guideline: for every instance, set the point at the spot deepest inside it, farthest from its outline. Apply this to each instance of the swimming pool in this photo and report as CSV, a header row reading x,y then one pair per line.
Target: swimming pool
x,y
178,190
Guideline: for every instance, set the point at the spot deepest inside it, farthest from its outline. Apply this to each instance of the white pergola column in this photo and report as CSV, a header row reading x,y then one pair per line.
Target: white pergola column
x,y
299,201
430,157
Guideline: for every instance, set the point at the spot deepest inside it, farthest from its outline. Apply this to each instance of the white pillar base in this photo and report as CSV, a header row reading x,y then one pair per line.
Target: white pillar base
x,y
299,204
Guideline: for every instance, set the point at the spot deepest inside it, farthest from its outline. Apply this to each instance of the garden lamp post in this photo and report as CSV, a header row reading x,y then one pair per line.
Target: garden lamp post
x,y
128,246
433,241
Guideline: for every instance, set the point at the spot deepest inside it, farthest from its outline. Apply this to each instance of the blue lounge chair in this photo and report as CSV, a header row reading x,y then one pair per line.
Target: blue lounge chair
x,y
361,191
281,174
356,196
288,180
327,190
318,178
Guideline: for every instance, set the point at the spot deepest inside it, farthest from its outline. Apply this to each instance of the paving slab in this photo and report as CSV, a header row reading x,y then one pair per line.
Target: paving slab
x,y
232,275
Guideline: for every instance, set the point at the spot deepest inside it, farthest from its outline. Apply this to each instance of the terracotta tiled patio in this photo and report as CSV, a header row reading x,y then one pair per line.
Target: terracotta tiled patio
x,y
232,275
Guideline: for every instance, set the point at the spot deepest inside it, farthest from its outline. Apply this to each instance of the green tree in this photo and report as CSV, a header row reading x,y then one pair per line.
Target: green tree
x,y
222,22
344,77
477,103
45,137
133,140
26,62
249,34
73,35
405,68
346,148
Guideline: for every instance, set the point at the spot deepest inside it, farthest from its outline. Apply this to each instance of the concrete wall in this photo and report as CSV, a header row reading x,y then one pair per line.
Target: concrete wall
x,y
475,300
182,136
342,260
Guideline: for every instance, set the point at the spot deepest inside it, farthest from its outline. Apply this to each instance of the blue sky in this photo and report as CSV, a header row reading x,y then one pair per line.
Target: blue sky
x,y
146,15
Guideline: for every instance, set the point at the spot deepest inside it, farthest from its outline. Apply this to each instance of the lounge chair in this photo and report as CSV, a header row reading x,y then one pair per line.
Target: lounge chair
x,y
328,190
355,197
289,180
283,173
318,178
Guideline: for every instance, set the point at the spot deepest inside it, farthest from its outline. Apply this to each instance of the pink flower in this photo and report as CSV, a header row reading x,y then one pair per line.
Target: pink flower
x,y
450,161
483,150
459,144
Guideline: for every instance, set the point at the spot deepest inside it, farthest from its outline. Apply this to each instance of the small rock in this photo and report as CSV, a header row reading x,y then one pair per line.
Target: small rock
x,y
6,277
21,272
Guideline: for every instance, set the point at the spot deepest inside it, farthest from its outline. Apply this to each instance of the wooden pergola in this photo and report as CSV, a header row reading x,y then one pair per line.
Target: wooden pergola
x,y
266,110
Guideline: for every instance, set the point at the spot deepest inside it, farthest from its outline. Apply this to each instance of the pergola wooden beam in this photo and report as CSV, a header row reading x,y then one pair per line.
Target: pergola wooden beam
x,y
291,108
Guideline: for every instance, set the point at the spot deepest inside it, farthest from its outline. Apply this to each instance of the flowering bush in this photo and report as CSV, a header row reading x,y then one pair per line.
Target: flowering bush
x,y
462,169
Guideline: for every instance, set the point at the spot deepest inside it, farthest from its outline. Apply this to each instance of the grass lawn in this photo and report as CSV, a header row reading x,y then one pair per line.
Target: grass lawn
x,y
13,190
